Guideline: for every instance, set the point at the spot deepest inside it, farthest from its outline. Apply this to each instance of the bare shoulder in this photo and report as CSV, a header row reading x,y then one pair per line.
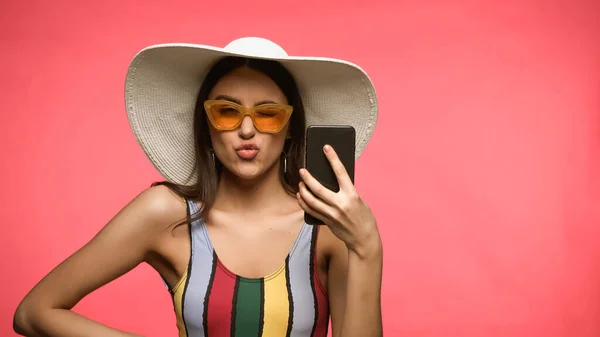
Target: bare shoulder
x,y
160,201
159,206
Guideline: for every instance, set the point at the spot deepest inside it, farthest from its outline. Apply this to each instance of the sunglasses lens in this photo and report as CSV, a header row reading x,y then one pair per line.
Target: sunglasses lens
x,y
224,115
270,118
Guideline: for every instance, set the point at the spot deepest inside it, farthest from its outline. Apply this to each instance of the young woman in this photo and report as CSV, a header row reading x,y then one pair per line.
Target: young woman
x,y
225,231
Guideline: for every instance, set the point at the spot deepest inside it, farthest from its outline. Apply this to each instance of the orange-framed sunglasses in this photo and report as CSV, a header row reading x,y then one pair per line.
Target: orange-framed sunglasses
x,y
226,115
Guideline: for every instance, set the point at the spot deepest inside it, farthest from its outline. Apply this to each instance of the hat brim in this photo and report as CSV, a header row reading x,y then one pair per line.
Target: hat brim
x,y
163,81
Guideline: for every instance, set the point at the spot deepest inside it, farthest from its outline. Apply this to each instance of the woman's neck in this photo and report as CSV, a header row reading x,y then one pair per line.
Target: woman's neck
x,y
264,193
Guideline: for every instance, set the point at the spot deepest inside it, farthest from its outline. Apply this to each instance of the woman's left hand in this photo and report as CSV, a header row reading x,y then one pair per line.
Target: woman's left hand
x,y
344,212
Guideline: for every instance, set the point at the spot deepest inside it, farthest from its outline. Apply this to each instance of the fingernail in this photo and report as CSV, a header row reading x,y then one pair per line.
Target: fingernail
x,y
327,148
302,171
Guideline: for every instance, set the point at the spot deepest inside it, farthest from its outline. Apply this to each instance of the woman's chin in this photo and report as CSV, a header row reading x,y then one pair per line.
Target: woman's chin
x,y
247,175
248,171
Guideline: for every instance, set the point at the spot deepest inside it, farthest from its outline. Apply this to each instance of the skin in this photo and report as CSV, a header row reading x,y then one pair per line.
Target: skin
x,y
251,208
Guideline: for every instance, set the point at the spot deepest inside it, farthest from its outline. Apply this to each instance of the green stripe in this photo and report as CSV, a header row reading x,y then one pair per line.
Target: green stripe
x,y
248,309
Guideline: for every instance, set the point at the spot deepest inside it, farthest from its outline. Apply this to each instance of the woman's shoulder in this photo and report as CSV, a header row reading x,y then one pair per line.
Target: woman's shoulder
x,y
159,205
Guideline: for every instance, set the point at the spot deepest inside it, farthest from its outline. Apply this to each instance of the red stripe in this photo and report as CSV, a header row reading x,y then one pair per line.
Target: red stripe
x,y
220,304
323,319
322,301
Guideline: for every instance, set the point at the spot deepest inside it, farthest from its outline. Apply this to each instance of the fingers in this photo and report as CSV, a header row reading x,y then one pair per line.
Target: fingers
x,y
316,187
338,168
314,206
307,208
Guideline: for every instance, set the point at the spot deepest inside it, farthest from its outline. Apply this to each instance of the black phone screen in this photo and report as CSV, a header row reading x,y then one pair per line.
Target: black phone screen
x,y
342,138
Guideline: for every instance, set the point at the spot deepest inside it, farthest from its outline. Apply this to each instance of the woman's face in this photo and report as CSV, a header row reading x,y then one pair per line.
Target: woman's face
x,y
246,152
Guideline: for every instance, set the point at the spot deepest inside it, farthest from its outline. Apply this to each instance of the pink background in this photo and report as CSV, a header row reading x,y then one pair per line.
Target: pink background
x,y
484,169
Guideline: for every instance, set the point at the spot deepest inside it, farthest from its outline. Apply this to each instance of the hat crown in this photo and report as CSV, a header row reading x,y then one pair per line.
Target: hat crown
x,y
256,46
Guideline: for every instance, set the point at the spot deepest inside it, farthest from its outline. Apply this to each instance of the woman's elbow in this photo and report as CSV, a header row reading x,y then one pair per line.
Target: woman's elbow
x,y
19,320
22,319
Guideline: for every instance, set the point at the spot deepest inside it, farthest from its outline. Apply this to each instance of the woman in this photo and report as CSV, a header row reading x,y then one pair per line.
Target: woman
x,y
225,230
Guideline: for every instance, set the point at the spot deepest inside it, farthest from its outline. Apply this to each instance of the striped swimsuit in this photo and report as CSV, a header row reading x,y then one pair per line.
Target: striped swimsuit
x,y
211,301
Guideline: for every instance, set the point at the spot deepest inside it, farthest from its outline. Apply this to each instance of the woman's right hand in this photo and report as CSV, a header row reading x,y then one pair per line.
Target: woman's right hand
x,y
126,241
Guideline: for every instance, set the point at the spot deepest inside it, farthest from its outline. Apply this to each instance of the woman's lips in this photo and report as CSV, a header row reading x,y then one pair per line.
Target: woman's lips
x,y
247,153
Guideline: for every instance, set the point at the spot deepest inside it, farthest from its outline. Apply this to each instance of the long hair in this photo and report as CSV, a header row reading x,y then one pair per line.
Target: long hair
x,y
208,173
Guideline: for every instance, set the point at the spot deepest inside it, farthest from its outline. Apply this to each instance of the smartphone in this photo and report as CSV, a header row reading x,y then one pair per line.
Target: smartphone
x,y
343,140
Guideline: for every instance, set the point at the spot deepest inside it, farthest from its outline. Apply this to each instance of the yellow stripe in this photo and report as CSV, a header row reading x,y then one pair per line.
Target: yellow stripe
x,y
276,309
177,292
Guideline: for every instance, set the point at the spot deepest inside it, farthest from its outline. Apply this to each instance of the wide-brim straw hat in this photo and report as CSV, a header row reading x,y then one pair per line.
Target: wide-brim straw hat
x,y
163,82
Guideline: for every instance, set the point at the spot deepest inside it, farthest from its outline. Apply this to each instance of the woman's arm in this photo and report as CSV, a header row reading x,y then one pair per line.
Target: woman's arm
x,y
354,286
350,219
121,245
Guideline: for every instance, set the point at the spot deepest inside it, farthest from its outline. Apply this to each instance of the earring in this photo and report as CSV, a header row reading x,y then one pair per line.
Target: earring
x,y
284,163
212,153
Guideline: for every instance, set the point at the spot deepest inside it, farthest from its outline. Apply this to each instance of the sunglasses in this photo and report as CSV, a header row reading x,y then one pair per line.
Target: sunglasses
x,y
226,115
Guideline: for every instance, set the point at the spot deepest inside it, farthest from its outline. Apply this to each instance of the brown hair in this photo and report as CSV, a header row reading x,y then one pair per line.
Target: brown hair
x,y
207,173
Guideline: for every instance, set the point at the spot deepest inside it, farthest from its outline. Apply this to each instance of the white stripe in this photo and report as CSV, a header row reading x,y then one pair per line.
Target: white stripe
x,y
302,294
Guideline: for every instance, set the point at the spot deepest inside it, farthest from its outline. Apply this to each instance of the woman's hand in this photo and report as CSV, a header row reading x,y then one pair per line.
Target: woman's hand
x,y
346,214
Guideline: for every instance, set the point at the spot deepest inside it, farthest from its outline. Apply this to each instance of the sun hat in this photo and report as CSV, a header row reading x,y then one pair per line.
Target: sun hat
x,y
163,82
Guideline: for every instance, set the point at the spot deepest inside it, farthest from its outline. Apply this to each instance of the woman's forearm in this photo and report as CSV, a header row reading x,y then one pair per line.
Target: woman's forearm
x,y
362,315
63,323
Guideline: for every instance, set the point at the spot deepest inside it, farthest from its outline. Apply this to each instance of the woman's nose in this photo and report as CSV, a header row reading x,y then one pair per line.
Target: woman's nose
x,y
247,129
